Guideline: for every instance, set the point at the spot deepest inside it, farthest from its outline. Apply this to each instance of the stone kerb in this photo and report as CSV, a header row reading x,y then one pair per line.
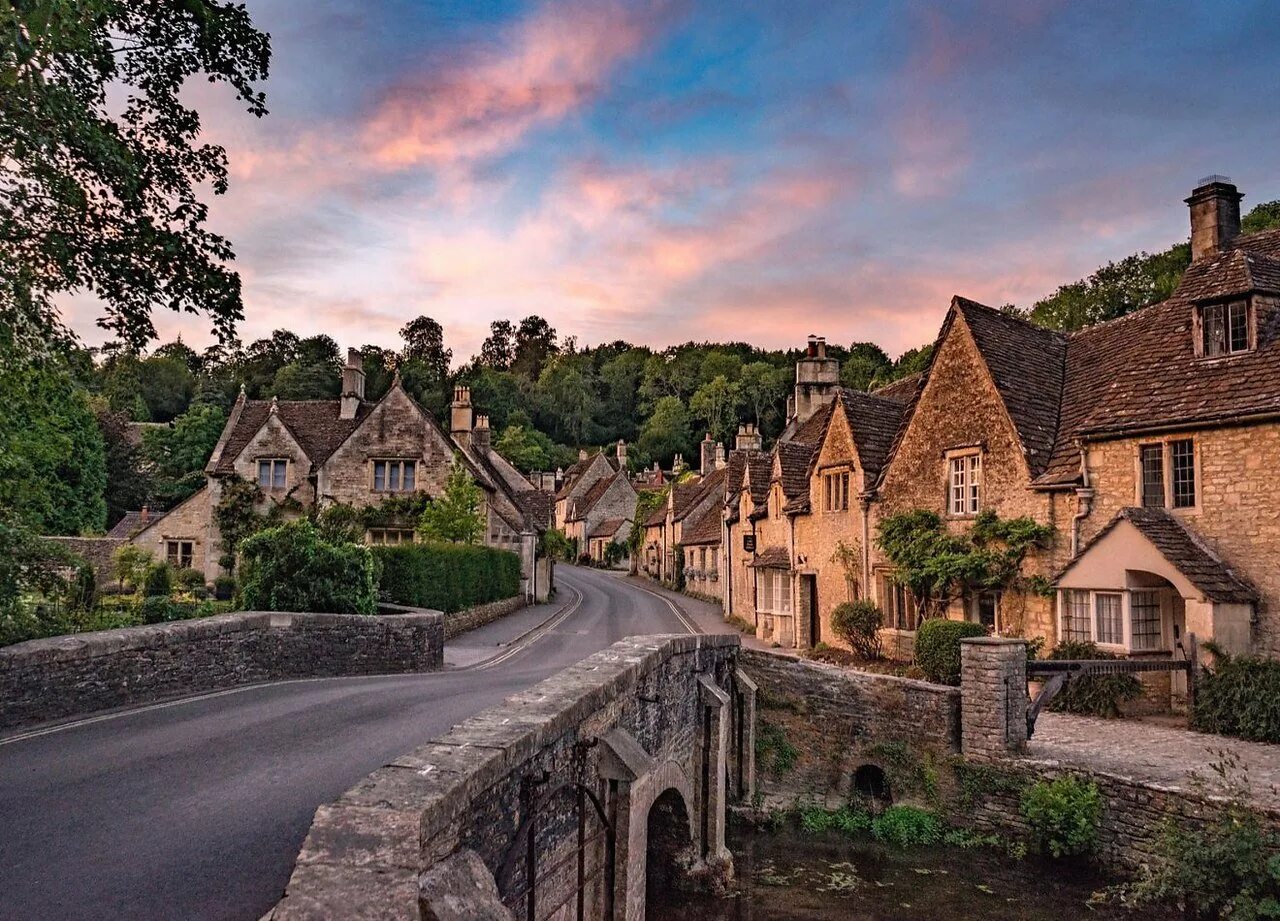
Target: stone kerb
x,y
993,697
365,852
73,675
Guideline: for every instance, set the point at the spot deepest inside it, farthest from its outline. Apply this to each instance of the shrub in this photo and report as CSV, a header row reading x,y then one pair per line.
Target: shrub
x,y
774,752
82,590
907,826
858,623
155,609
224,588
937,649
1239,696
1092,695
289,568
131,565
446,577
1063,815
190,581
158,583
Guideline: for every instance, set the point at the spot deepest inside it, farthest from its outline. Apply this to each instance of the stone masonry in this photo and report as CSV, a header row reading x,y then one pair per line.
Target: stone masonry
x,y
993,697
66,676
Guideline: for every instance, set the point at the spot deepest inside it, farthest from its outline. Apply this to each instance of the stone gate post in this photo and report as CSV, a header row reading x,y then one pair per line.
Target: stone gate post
x,y
993,697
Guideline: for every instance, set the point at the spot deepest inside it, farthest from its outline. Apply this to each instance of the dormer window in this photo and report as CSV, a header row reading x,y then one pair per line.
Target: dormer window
x,y
1224,329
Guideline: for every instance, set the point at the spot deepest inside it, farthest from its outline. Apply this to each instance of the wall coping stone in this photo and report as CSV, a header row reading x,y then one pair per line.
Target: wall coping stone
x,y
854,674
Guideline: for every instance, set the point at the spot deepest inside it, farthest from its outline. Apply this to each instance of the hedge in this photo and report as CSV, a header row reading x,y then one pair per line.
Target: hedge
x,y
446,577
291,568
937,647
1239,696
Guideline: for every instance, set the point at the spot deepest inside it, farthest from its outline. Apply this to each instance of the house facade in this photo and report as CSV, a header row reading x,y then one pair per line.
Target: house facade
x,y
596,502
306,454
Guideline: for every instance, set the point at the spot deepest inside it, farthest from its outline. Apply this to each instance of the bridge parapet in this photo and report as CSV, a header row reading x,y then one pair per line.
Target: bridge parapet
x,y
554,792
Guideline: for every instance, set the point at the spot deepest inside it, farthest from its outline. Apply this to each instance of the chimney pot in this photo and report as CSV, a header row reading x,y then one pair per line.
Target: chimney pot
x,y
1215,216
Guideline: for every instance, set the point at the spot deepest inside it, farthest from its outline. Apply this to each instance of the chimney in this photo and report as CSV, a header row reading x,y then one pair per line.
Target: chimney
x,y
582,454
145,515
480,434
677,465
460,419
707,462
817,377
749,438
1215,216
622,454
720,460
352,385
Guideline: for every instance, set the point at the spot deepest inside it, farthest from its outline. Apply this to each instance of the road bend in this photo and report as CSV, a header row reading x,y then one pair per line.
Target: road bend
x,y
196,809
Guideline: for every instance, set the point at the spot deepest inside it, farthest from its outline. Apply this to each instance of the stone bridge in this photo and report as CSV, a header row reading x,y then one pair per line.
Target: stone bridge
x,y
573,800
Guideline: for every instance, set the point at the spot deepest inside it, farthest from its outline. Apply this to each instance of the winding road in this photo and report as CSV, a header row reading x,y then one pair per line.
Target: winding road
x,y
196,809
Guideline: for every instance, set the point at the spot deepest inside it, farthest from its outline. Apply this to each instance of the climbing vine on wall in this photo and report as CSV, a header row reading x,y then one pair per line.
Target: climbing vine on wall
x,y
939,566
237,515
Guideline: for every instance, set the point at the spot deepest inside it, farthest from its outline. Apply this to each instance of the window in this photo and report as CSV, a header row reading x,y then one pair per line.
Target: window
x,y
898,604
391,536
1144,610
1110,620
1152,475
984,607
966,484
773,591
1225,328
179,553
1182,464
394,475
271,472
836,491
1075,617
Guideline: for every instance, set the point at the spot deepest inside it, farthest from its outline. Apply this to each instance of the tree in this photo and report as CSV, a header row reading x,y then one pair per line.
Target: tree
x,y
763,386
535,342
912,361
665,433
566,398
128,485
424,342
499,348
1262,217
716,404
526,448
299,381
865,365
98,188
1116,289
167,386
454,516
178,453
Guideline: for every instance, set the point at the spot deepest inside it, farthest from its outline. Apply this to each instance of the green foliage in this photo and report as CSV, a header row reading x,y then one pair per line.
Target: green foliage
x,y
906,771
131,564
867,366
1092,695
937,647
224,588
715,404
1114,290
158,582
774,752
128,484
82,591
1239,696
665,433
858,623
907,826
847,820
677,575
526,448
1064,815
237,517
454,516
52,460
1263,216
446,577
102,161
976,780
647,502
555,546
189,582
290,568
937,565
178,453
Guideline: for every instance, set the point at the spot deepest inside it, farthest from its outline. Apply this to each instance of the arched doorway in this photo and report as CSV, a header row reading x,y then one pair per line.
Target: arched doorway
x,y
669,851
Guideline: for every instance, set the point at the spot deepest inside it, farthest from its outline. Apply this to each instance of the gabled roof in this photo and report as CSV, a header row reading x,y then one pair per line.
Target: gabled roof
x,y
683,496
537,505
583,506
759,470
771,558
900,391
793,459
609,527
314,425
1183,550
133,522
874,421
1231,272
703,529
710,486
657,517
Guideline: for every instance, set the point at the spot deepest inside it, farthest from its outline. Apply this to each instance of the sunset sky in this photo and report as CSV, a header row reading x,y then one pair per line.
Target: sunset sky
x,y
741,169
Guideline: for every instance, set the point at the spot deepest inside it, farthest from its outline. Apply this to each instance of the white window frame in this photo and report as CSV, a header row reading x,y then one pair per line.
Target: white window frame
x,y
964,483
773,591
897,602
390,537
1126,595
1241,311
398,466
274,464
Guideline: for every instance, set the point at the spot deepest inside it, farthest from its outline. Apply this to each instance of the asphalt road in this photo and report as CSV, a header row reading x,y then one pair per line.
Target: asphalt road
x,y
196,809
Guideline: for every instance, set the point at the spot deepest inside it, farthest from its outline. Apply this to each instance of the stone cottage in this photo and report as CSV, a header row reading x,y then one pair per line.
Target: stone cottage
x,y
596,502
307,453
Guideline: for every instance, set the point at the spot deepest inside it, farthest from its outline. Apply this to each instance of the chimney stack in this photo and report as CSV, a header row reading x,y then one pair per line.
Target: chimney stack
x,y
720,460
582,454
460,418
749,438
677,465
817,377
480,434
622,454
1215,216
352,385
707,462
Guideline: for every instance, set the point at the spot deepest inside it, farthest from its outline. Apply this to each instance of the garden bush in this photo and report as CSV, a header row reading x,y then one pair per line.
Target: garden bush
x,y
907,826
1239,696
158,582
1063,815
446,577
1092,695
937,649
290,568
190,581
858,623
82,590
224,588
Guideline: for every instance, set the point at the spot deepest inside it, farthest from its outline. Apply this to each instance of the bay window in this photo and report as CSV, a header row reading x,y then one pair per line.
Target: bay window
x,y
1130,620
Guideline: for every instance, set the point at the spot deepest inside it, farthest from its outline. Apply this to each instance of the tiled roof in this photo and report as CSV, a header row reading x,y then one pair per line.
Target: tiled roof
x,y
771,558
1026,364
759,469
793,464
1264,242
313,423
704,529
98,552
684,495
537,505
810,431
711,486
1202,568
657,517
608,528
593,495
874,420
1233,271
133,522
900,391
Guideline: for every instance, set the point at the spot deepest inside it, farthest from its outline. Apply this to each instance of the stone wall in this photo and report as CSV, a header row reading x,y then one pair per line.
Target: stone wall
x,y
461,621
627,723
73,675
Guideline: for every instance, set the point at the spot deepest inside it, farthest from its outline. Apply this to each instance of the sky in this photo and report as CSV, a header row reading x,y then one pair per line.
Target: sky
x,y
750,170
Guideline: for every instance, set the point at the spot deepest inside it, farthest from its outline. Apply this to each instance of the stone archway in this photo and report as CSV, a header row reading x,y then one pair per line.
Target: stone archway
x,y
670,851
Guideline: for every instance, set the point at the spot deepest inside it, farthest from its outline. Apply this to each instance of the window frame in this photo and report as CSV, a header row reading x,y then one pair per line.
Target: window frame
x,y
963,494
835,489
174,556
274,463
1074,601
400,465
1233,318
901,611
1170,450
378,537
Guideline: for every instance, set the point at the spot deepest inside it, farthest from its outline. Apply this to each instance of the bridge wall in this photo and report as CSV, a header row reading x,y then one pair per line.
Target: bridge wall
x,y
67,676
629,723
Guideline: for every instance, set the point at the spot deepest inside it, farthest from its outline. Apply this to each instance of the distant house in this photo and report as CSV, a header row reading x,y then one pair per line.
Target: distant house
x,y
596,495
307,453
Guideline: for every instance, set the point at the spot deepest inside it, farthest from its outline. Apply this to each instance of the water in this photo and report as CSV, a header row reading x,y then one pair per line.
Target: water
x,y
789,875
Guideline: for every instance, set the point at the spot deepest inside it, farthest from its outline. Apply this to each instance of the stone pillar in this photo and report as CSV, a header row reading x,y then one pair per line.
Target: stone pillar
x,y
745,742
711,800
993,697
